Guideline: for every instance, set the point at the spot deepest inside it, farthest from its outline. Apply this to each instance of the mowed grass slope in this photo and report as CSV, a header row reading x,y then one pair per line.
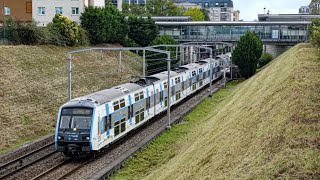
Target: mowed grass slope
x,y
263,128
34,83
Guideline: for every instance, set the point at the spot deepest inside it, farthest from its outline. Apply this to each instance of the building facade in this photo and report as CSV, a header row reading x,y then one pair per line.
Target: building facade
x,y
314,7
304,10
20,10
236,15
218,10
43,11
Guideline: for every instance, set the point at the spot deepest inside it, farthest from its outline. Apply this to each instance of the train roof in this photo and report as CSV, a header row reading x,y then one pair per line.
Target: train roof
x,y
108,95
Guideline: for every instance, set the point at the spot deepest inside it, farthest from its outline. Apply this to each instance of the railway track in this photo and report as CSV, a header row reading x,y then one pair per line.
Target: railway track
x,y
26,160
52,165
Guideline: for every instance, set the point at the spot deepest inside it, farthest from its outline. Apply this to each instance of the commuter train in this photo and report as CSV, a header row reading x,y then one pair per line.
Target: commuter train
x,y
87,124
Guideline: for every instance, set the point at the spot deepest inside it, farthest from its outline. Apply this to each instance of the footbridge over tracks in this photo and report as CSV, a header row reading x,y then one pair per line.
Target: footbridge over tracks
x,y
285,33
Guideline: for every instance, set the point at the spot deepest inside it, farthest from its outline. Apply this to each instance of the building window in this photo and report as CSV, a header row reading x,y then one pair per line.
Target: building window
x,y
28,7
58,10
7,11
75,10
41,10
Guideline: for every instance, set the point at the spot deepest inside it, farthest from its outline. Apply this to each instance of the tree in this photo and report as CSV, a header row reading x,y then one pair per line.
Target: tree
x,y
246,54
314,7
195,13
104,25
161,64
264,59
142,31
205,13
162,8
315,36
74,35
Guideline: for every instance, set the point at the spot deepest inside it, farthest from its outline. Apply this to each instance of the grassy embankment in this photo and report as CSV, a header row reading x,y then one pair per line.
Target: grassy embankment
x,y
33,85
265,127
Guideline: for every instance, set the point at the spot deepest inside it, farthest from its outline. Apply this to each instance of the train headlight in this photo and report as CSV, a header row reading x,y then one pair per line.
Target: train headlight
x,y
88,138
59,137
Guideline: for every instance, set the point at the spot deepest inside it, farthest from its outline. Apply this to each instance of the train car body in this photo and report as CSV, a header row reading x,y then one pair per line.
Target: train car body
x,y
89,123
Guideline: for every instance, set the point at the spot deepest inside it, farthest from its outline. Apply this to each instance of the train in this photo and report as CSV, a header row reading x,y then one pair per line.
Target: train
x,y
89,123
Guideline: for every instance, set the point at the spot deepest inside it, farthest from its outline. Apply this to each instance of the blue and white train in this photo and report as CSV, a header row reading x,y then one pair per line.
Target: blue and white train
x,y
89,123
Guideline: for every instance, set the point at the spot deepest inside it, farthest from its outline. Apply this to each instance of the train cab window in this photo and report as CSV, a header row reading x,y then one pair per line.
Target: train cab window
x,y
76,118
122,103
116,105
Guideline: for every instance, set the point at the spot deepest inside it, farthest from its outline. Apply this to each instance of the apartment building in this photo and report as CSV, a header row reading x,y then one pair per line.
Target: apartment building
x,y
218,10
43,11
20,10
236,15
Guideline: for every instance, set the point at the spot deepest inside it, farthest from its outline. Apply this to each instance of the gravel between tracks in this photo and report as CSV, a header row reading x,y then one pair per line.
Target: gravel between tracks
x,y
15,153
108,157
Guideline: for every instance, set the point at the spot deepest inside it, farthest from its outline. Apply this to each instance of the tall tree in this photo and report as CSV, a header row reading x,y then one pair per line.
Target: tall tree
x,y
195,13
247,53
162,8
142,30
206,15
314,8
104,25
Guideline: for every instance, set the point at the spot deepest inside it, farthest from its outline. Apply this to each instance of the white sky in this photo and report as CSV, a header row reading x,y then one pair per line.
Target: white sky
x,y
249,9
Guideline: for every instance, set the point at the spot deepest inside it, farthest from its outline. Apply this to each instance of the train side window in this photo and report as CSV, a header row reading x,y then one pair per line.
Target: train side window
x,y
129,111
141,95
122,103
165,84
136,97
116,105
178,95
148,103
107,123
165,101
116,128
190,82
161,96
141,114
193,73
123,125
182,86
137,117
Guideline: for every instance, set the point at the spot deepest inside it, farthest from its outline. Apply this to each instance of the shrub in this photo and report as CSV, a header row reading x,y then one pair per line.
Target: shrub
x,y
127,42
31,34
72,33
142,31
264,59
104,25
247,53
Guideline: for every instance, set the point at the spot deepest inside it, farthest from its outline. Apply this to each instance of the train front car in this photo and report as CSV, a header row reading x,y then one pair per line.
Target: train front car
x,y
73,128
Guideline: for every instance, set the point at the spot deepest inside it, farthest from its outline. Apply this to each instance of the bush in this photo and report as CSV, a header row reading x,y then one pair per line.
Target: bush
x,y
71,32
127,42
142,31
247,53
31,34
104,25
264,59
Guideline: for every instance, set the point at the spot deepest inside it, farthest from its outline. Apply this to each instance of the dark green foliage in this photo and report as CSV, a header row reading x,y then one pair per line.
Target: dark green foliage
x,y
129,43
142,31
264,59
104,25
246,54
163,8
72,33
25,33
158,62
205,13
314,32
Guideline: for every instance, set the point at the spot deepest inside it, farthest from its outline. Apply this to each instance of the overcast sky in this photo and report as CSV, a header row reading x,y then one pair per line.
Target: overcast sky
x,y
249,9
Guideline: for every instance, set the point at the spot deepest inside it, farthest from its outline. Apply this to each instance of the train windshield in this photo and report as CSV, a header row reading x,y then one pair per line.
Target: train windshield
x,y
76,118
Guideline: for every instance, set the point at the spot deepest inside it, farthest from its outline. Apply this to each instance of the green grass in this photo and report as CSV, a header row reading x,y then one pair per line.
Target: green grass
x,y
263,128
33,85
